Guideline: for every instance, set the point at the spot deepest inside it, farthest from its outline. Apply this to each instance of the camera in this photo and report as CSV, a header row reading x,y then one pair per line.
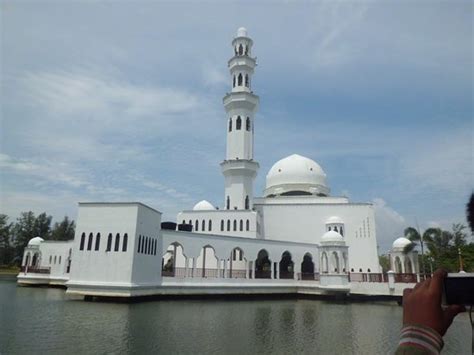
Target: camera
x,y
459,288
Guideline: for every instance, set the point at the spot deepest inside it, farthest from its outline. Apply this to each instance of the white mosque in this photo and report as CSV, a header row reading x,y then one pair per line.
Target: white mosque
x,y
296,238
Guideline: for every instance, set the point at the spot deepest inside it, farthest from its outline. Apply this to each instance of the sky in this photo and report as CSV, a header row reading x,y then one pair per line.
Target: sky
x,y
122,101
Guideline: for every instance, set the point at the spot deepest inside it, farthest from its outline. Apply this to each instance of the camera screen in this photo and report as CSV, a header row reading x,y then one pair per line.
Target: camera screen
x,y
459,290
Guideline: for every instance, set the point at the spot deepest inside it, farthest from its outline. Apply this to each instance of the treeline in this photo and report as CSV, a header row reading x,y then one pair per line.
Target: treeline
x,y
14,235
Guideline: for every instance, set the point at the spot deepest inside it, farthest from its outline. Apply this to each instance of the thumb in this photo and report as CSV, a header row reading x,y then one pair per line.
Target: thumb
x,y
449,313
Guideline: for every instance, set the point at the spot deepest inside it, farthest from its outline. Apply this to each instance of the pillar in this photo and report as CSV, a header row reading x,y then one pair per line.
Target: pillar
x,y
174,259
218,267
186,266
247,274
193,273
225,268
272,270
278,270
253,269
204,262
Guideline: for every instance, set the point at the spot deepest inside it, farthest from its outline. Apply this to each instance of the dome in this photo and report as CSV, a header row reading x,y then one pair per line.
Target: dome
x,y
334,220
35,241
401,243
242,32
203,206
296,175
331,236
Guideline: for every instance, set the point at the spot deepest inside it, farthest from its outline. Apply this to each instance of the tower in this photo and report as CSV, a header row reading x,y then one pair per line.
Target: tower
x,y
239,168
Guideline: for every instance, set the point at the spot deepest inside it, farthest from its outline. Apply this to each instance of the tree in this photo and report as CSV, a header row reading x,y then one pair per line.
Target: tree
x,y
63,230
43,226
415,238
384,261
6,249
23,230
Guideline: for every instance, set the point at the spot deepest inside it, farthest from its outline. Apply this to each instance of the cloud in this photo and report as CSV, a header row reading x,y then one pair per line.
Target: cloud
x,y
389,224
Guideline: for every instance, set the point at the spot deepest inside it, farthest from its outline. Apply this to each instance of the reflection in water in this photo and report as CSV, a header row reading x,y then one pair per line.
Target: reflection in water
x,y
44,321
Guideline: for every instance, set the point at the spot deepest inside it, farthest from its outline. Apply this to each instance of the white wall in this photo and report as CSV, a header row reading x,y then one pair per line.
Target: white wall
x,y
55,255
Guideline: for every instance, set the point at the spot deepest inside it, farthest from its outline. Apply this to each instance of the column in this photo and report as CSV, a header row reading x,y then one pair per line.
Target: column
x,y
278,270
203,262
272,270
174,260
247,274
253,269
225,268
193,273
186,266
218,267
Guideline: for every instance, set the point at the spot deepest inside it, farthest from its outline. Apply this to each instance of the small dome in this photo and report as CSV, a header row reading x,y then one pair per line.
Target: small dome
x,y
331,236
296,175
242,32
203,206
35,241
400,243
334,220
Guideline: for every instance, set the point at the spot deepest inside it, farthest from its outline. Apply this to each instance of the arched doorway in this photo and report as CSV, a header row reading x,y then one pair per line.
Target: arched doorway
x,y
398,265
324,262
237,264
307,267
408,266
286,266
335,265
263,265
207,262
173,261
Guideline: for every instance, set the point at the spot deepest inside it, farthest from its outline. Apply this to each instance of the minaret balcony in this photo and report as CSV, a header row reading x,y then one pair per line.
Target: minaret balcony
x,y
242,61
240,167
240,100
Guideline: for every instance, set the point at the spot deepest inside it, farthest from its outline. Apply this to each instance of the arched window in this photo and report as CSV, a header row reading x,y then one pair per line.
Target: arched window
x,y
139,244
247,124
246,80
241,225
125,242
50,259
247,202
55,258
360,270
190,222
203,225
227,203
209,226
235,224
230,124
109,242
222,225
235,50
368,270
184,222
233,82
335,228
59,262
239,79
83,239
228,225
89,241
241,49
247,225
329,228
97,241
352,270
246,50
196,225
341,232
117,242
238,124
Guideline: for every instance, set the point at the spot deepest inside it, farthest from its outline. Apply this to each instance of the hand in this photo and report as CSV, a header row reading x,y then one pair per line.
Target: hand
x,y
422,304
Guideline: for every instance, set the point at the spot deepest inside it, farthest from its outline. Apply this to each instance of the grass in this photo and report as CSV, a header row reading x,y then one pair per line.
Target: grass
x,y
9,270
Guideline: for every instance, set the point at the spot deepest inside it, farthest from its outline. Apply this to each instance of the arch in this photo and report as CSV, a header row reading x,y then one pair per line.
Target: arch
x,y
97,242
408,266
27,259
228,225
89,241
241,225
247,225
173,260
286,266
230,124
209,226
324,262
345,262
247,124
117,242
196,225
55,258
238,124
83,239
233,82
227,203
235,225
235,50
360,270
203,225
247,80
246,49
368,270
398,265
335,266
241,49
35,260
237,264
239,79
109,242
50,259
307,267
263,268
335,229
222,225
329,228
247,202
341,231
125,242
190,223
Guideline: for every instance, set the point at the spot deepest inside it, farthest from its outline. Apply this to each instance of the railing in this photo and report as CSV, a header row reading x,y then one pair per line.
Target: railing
x,y
367,277
180,272
287,275
263,274
308,276
405,278
36,270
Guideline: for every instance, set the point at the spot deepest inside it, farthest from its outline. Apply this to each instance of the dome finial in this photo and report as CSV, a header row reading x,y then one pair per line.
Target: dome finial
x,y
242,32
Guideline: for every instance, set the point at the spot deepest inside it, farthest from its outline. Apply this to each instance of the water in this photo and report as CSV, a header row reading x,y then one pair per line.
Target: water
x,y
44,321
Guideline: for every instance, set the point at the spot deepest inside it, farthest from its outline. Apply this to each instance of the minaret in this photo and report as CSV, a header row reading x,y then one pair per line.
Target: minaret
x,y
239,168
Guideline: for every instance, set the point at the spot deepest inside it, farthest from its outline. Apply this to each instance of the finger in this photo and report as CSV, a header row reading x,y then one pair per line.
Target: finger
x,y
436,284
407,291
419,284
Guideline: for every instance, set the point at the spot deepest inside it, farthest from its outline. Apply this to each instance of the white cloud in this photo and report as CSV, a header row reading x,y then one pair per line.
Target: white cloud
x,y
389,224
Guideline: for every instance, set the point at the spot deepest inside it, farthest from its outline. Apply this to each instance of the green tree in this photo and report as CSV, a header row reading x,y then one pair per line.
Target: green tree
x,y
6,249
415,238
384,261
23,230
43,226
63,230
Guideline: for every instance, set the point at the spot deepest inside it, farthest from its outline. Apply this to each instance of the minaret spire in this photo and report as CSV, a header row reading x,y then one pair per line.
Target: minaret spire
x,y
241,103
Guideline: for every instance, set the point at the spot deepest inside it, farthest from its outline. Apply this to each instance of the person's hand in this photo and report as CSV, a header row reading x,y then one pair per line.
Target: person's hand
x,y
422,304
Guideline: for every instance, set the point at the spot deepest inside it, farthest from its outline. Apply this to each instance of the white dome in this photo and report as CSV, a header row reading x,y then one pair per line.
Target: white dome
x,y
242,32
203,206
401,243
35,241
331,236
296,175
334,220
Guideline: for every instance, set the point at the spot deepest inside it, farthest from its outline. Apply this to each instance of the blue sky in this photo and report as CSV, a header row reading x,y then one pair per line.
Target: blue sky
x,y
122,101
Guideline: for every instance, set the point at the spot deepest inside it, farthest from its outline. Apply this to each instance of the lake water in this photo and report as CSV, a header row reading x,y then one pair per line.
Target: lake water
x,y
44,320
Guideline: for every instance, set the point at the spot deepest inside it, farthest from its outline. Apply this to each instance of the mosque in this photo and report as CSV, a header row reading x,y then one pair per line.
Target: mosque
x,y
297,237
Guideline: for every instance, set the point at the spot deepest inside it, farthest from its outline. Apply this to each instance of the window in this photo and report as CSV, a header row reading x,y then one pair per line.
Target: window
x,y
234,254
125,242
97,241
83,238
352,270
117,242
246,80
230,124
59,262
241,49
50,259
335,228
341,231
227,203
145,249
247,225
235,224
228,225
239,80
196,225
148,245
360,270
329,228
89,241
238,124
154,251
247,124
368,270
247,202
184,222
209,226
109,242
241,225
139,244
203,225
55,259
246,50
233,82
190,222
222,225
